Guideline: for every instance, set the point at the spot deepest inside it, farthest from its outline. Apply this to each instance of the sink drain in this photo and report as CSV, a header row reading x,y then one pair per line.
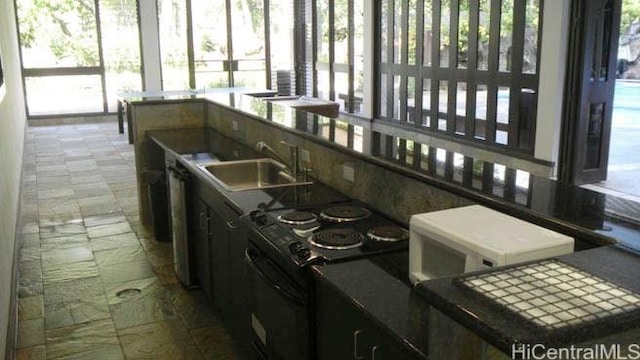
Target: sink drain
x,y
128,293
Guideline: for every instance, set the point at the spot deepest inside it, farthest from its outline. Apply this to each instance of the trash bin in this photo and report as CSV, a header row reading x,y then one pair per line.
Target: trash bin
x,y
158,202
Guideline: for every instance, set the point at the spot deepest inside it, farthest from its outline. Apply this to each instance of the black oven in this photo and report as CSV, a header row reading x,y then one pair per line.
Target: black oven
x,y
282,243
279,306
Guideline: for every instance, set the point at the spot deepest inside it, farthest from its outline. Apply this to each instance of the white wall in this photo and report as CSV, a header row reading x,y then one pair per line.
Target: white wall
x,y
555,34
12,128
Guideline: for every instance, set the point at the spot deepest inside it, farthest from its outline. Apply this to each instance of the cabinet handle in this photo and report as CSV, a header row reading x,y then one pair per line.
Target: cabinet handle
x,y
355,345
374,351
204,223
230,225
203,220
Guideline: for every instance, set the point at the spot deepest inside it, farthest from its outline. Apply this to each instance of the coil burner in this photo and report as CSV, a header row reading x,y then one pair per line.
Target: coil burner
x,y
339,214
337,239
298,218
390,233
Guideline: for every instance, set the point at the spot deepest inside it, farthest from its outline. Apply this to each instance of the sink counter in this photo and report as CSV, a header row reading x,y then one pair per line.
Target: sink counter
x,y
200,145
591,217
378,286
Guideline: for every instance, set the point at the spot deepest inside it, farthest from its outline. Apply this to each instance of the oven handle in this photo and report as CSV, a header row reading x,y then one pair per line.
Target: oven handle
x,y
292,298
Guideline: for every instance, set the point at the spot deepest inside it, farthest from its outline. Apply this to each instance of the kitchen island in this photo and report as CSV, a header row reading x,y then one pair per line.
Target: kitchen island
x,y
395,313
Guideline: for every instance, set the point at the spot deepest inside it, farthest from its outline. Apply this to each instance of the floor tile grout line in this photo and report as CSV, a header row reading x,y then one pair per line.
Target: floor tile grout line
x,y
57,137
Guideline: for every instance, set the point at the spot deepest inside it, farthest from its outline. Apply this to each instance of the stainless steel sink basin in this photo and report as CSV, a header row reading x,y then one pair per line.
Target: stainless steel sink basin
x,y
250,174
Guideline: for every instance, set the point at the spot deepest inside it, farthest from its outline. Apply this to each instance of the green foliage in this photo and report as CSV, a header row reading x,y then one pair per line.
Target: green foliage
x,y
630,14
66,32
256,8
67,27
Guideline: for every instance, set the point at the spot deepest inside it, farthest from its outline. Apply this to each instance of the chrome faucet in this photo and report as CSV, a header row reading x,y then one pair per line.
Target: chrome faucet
x,y
294,156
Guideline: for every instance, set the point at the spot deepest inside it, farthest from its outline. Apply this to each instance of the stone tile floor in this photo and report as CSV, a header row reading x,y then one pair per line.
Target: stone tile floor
x,y
93,283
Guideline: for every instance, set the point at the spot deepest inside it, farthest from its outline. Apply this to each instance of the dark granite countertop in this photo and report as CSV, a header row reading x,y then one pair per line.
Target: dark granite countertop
x,y
596,218
379,287
502,327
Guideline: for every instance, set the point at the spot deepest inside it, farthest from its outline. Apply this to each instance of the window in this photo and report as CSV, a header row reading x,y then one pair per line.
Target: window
x,y
460,68
246,44
78,55
489,177
336,44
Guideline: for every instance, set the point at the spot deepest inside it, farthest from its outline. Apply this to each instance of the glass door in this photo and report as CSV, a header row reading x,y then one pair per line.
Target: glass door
x,y
60,57
223,43
248,60
232,50
210,42
77,55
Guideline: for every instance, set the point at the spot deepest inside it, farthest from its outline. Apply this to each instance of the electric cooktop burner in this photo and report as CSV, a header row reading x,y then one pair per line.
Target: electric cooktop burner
x,y
389,233
298,218
345,214
337,239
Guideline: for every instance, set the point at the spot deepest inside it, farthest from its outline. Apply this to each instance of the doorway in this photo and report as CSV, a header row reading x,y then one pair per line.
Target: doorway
x,y
71,50
224,43
589,91
623,168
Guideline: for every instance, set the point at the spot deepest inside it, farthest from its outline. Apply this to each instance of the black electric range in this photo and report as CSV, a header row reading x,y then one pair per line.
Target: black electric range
x,y
282,243
328,233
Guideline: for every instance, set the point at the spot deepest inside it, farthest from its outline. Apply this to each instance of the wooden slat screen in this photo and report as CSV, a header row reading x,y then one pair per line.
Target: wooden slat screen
x,y
465,69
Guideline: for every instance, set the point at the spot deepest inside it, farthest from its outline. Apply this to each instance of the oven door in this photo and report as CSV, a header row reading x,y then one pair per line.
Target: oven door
x,y
279,310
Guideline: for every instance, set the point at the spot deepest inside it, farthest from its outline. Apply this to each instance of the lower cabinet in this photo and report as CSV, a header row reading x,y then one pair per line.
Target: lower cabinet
x,y
200,235
219,244
344,332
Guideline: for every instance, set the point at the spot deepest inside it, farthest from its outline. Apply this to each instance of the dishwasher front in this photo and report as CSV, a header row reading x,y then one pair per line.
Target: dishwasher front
x,y
178,198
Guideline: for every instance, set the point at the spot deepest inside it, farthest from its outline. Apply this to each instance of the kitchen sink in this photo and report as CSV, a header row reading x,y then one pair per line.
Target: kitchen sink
x,y
250,174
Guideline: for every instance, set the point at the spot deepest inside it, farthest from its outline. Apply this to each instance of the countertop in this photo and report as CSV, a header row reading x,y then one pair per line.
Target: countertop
x,y
502,327
379,285
598,218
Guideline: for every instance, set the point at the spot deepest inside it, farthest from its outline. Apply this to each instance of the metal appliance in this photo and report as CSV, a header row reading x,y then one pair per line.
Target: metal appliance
x,y
178,208
282,244
455,241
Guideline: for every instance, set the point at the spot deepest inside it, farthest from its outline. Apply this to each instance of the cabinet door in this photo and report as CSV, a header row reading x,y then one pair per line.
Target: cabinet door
x,y
336,327
201,244
219,258
344,332
239,317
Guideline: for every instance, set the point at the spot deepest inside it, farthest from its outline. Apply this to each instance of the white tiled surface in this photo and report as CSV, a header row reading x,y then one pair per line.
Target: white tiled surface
x,y
554,294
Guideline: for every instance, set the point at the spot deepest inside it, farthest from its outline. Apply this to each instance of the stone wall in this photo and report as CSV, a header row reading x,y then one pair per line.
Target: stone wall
x,y
380,187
